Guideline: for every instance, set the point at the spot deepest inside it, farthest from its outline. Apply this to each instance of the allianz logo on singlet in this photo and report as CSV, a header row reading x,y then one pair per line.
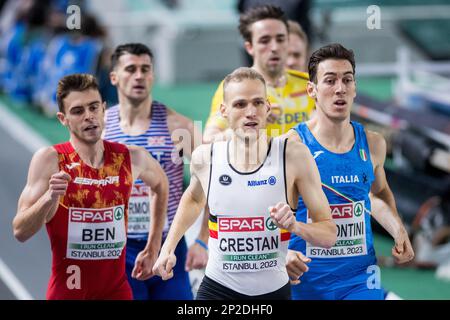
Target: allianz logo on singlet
x,y
98,182
345,179
255,183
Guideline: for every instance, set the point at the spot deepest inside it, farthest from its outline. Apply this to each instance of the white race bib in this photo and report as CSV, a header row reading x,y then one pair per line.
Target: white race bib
x,y
139,210
248,244
351,238
96,234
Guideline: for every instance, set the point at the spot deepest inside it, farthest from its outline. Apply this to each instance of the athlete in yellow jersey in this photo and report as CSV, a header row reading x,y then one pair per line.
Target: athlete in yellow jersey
x,y
265,32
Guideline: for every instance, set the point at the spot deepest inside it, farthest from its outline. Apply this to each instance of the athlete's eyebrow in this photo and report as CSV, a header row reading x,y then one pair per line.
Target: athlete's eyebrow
x,y
94,102
88,104
238,101
148,65
335,74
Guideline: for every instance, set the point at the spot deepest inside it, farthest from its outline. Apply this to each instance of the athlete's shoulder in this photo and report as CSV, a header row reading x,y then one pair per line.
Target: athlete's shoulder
x,y
138,155
377,143
176,120
47,153
295,147
45,160
297,74
201,156
291,136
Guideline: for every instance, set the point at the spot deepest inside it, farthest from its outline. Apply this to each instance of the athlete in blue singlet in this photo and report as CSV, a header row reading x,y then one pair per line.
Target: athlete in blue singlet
x,y
350,162
140,120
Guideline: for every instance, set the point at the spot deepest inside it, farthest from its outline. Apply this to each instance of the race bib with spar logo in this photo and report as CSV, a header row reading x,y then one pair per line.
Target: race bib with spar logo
x,y
139,210
351,237
96,234
249,244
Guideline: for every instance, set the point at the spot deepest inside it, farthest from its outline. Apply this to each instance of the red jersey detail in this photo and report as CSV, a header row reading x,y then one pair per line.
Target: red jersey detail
x,y
94,201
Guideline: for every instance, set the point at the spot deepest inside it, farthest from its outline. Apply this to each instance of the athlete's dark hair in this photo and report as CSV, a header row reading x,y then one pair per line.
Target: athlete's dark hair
x,y
74,82
241,74
332,51
259,13
130,48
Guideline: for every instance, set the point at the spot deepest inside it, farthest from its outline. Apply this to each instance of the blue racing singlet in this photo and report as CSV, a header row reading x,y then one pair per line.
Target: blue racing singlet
x,y
158,142
346,181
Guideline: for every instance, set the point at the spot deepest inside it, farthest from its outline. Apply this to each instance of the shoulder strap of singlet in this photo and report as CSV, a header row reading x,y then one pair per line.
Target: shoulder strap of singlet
x,y
360,135
283,146
361,139
303,132
210,172
159,112
64,148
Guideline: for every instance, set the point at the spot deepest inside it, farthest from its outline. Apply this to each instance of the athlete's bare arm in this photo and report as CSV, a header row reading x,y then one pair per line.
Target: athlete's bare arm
x,y
39,199
384,209
303,179
146,168
191,204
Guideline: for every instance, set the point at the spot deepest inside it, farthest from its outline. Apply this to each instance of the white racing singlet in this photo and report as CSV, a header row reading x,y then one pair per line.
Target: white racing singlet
x,y
247,252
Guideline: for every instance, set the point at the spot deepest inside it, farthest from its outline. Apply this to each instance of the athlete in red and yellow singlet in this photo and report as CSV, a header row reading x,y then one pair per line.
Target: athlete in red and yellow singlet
x,y
88,231
80,191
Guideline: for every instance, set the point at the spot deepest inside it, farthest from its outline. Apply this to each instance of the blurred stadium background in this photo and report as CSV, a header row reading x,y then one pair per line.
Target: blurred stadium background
x,y
403,81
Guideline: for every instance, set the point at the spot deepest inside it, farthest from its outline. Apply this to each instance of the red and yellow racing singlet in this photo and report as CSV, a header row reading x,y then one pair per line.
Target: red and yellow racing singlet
x,y
88,232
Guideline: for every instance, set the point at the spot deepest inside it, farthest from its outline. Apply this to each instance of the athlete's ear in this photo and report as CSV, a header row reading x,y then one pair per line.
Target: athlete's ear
x,y
248,47
62,118
113,77
223,109
311,89
269,106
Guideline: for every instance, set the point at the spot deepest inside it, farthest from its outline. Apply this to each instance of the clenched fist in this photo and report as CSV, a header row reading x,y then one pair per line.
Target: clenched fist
x,y
282,216
164,265
58,184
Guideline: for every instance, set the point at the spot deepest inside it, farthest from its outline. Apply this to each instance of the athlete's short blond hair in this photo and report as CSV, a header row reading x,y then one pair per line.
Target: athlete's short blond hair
x,y
296,28
241,74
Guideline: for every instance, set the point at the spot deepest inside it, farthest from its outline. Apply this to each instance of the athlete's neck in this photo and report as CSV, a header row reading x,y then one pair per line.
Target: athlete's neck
x,y
336,136
273,80
247,154
134,114
91,154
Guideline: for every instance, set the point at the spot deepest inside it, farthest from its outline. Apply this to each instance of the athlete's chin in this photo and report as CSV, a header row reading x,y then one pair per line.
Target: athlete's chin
x,y
139,95
338,117
275,70
90,139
